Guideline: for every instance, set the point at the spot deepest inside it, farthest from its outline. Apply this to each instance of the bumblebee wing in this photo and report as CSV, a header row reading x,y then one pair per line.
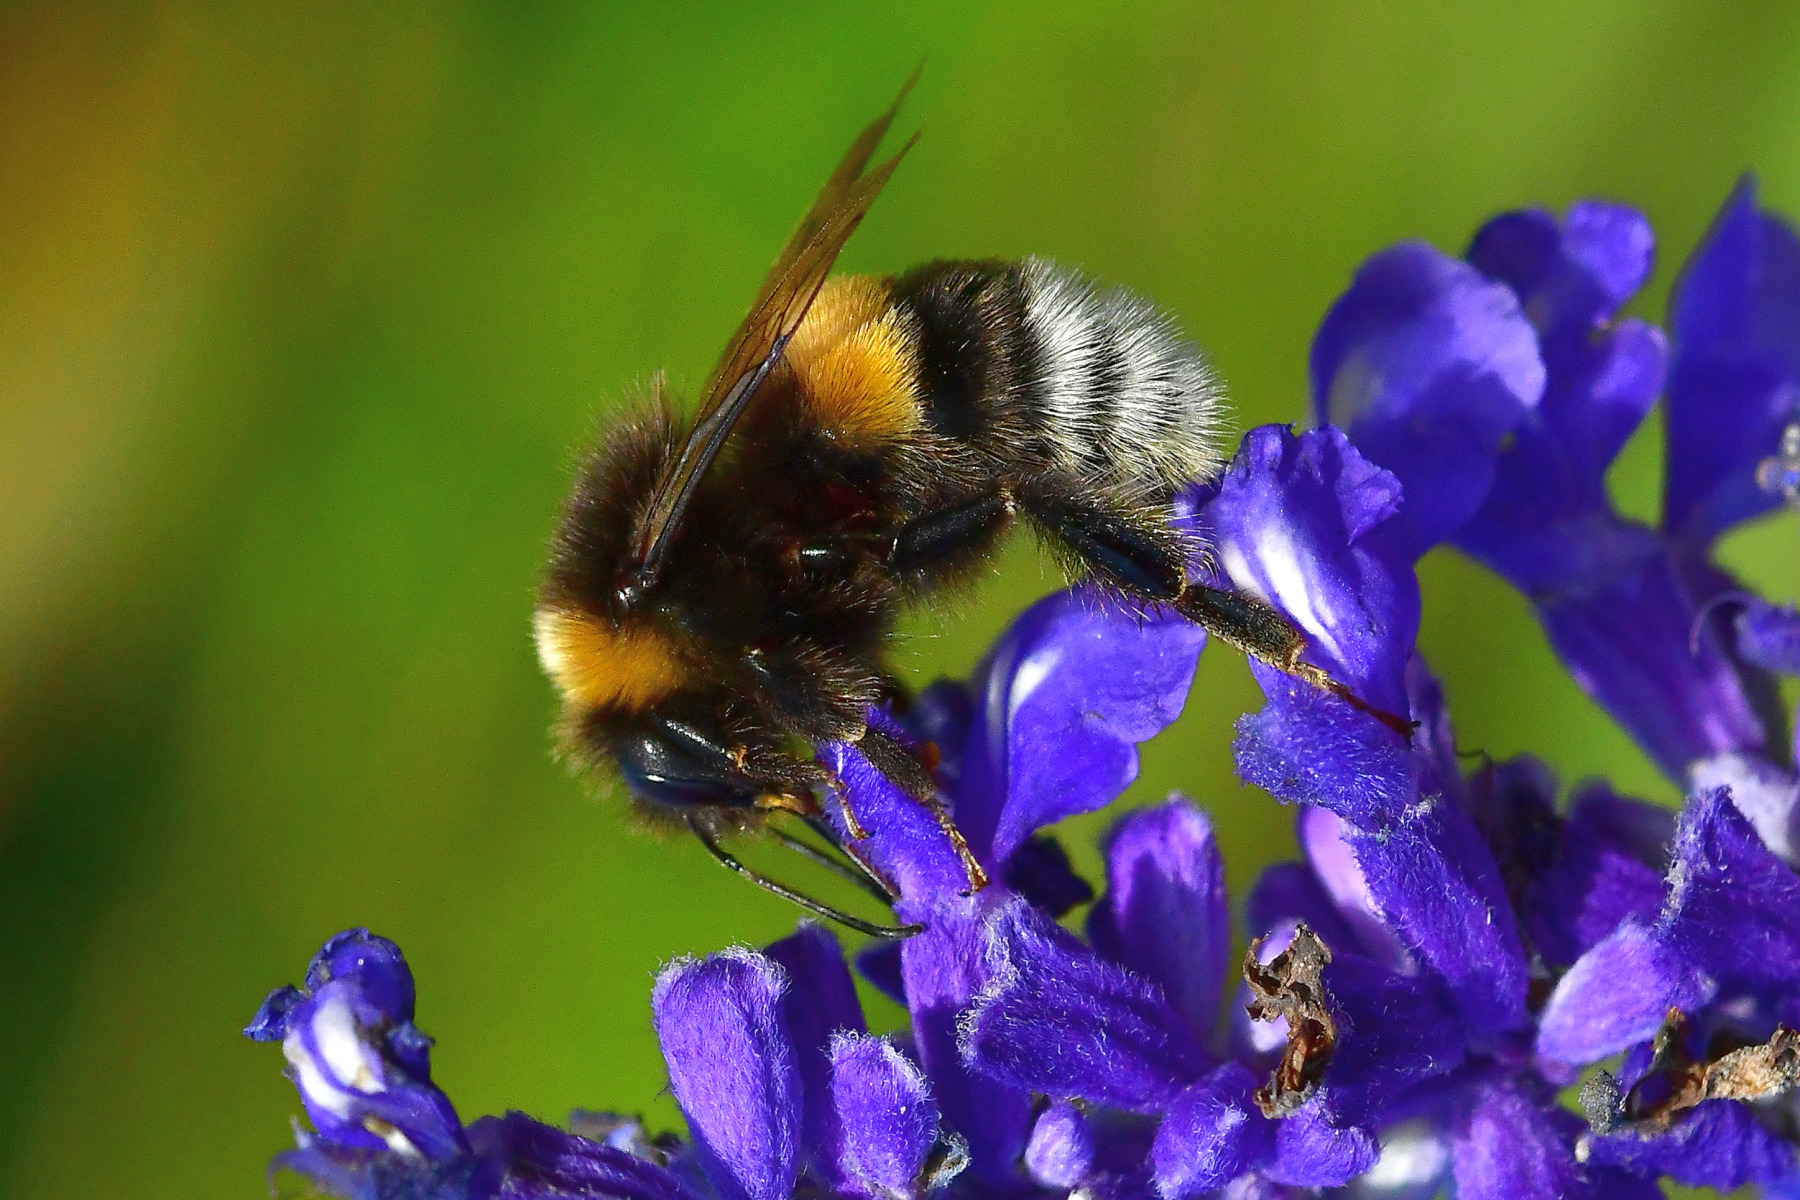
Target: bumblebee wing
x,y
756,347
824,229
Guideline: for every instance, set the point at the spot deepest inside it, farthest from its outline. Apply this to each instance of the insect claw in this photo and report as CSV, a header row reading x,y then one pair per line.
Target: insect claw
x,y
800,806
850,822
1319,679
851,825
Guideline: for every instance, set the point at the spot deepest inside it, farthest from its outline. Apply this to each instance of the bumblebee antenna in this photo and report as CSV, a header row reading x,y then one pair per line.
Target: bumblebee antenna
x,y
791,896
823,828
857,874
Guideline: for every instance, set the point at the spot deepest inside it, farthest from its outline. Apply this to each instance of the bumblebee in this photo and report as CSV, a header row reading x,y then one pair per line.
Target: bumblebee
x,y
722,587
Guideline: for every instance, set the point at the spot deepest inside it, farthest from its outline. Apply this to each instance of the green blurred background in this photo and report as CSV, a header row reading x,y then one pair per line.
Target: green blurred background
x,y
305,310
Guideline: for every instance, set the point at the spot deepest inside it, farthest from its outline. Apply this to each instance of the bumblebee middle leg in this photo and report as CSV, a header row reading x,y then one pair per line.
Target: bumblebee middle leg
x,y
949,537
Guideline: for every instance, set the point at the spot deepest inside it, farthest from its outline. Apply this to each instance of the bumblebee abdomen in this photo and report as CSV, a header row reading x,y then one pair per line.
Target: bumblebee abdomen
x,y
1034,363
1124,401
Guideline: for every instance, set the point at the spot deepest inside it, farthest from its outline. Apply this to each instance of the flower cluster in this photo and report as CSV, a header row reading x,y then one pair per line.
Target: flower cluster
x,y
1455,950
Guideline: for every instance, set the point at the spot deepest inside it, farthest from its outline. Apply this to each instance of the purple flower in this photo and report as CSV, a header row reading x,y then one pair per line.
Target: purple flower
x,y
1639,615
1046,728
1453,948
383,1131
362,1067
1735,386
1723,948
1427,365
1527,497
781,1087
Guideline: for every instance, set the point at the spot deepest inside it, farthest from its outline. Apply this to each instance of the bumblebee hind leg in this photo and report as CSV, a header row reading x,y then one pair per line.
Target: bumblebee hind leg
x,y
1142,557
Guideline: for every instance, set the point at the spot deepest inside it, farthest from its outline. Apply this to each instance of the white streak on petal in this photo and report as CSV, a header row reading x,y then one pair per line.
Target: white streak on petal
x,y
1284,583
341,1046
1031,674
312,1082
1412,1156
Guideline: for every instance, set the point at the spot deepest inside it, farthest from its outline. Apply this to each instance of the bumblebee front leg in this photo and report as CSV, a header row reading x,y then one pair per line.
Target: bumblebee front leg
x,y
1141,557
893,760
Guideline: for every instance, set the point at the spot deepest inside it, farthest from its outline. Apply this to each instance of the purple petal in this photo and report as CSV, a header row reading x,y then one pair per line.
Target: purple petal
x,y
1433,742
1165,909
1324,838
732,1068
1734,908
1768,797
1736,320
1513,804
1573,276
1515,1147
1769,636
1415,1154
1288,892
1625,637
374,964
1434,882
541,1162
820,1002
1717,1144
1617,994
1312,1152
1061,1151
941,714
271,1020
1212,1134
1614,246
880,965
1059,1019
943,968
1304,522
1068,693
1367,774
1636,827
1547,522
1039,870
1427,364
1600,878
1393,1031
822,997
905,841
887,1121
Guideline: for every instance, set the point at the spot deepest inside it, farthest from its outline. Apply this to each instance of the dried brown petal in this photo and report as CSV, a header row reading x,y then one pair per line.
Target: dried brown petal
x,y
1292,986
1753,1072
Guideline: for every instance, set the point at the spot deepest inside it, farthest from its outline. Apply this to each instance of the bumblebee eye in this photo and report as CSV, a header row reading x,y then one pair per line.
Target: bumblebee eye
x,y
662,772
629,592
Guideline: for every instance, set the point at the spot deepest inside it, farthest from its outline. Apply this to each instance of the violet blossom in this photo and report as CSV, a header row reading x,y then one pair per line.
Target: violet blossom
x,y
1456,947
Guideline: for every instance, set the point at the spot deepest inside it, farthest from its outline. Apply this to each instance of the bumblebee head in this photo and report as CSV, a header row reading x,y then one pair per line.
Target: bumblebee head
x,y
603,653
